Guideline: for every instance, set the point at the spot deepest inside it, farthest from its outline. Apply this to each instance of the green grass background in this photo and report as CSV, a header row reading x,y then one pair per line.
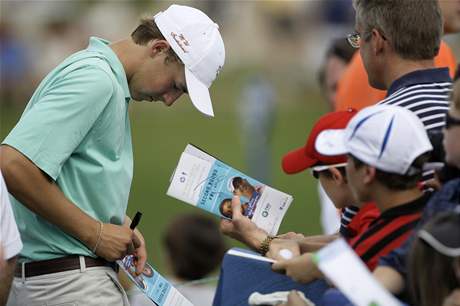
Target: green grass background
x,y
160,134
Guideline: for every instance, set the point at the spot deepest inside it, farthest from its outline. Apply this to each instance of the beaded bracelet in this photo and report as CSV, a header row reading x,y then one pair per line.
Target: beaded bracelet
x,y
265,245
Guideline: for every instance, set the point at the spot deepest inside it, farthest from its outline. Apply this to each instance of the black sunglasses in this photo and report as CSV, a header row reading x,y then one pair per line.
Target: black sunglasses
x,y
451,121
315,174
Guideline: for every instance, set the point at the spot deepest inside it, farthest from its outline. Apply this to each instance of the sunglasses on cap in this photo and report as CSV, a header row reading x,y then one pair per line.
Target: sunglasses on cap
x,y
317,169
451,121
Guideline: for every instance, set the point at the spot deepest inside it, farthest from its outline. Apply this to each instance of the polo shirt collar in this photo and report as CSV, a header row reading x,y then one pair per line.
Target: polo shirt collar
x,y
434,75
102,46
407,208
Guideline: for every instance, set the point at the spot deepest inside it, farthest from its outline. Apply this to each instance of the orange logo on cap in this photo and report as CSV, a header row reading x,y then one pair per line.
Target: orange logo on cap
x,y
181,41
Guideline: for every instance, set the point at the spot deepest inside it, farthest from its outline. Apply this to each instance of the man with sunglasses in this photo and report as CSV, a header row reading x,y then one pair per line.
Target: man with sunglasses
x,y
392,269
330,170
387,148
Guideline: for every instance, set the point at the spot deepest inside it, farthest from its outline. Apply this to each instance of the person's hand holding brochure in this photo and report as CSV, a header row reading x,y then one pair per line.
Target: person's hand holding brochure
x,y
340,264
206,182
151,283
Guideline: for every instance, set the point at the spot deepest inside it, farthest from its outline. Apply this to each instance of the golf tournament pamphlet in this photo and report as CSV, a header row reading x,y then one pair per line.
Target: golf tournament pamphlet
x,y
340,264
157,288
206,182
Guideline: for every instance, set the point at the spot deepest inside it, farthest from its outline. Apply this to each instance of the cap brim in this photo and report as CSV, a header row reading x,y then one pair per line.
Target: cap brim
x,y
199,94
331,143
296,161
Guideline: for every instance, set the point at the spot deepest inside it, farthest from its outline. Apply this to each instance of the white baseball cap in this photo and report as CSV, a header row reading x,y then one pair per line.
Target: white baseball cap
x,y
196,40
387,137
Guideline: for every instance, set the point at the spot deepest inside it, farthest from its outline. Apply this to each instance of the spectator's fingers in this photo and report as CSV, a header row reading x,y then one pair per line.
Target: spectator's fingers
x,y
236,208
279,266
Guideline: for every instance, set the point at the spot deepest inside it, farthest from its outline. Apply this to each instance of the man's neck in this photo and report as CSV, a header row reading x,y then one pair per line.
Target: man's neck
x,y
399,67
386,199
129,54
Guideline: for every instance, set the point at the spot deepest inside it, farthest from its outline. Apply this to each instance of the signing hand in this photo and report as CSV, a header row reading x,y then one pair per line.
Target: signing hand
x,y
137,247
114,243
300,269
140,252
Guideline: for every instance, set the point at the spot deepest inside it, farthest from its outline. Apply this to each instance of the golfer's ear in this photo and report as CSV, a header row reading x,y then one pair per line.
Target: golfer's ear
x,y
158,46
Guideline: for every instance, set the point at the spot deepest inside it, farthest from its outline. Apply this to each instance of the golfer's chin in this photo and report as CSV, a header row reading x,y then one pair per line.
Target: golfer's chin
x,y
141,97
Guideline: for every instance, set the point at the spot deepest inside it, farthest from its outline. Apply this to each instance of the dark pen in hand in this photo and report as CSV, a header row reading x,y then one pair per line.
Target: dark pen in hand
x,y
136,220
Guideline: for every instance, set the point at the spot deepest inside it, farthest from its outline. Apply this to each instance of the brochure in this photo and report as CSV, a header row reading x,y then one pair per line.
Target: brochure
x,y
206,182
347,272
157,288
249,254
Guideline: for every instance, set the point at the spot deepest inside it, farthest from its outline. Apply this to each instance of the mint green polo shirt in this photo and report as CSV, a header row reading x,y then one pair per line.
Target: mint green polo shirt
x,y
76,129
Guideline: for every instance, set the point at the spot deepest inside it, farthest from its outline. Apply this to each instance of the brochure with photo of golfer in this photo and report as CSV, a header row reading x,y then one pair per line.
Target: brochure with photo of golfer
x,y
206,182
157,288
340,264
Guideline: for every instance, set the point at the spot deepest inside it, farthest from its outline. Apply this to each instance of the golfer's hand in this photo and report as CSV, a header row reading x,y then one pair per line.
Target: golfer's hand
x,y
115,242
301,268
242,228
140,252
279,244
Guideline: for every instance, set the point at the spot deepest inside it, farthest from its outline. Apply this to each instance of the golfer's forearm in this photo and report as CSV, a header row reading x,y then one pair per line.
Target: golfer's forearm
x,y
28,184
6,277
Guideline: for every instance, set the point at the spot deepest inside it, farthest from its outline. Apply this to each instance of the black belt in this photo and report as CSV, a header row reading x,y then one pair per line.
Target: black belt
x,y
61,264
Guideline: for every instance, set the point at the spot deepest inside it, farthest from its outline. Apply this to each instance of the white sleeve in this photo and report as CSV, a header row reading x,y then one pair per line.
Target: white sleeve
x,y
10,240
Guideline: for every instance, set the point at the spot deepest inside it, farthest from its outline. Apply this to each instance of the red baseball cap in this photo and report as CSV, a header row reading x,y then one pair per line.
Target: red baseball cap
x,y
305,157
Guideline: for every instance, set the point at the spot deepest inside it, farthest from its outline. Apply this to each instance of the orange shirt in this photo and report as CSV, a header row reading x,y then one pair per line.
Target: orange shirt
x,y
354,90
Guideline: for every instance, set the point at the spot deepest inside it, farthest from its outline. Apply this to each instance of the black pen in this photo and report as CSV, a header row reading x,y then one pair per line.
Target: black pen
x,y
136,220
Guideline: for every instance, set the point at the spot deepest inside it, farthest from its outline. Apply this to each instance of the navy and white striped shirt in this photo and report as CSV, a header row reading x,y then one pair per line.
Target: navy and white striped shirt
x,y
424,92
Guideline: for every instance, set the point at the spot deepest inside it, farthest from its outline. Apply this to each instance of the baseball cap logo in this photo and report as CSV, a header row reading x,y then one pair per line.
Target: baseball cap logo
x,y
195,39
181,41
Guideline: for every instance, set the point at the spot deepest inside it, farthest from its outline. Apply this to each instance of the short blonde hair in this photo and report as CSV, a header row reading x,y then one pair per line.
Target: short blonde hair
x,y
146,31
